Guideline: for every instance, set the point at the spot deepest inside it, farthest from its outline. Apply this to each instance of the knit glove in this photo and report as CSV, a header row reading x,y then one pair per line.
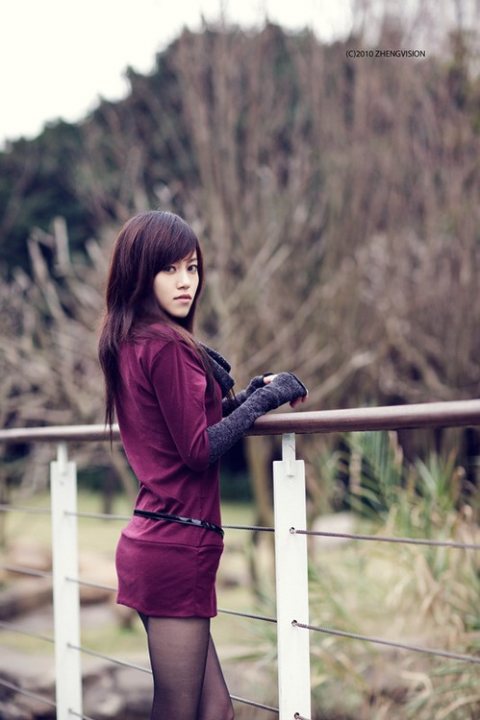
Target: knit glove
x,y
285,387
229,404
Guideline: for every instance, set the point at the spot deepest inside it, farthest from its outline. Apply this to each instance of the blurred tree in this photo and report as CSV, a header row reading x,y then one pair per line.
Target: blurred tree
x,y
337,200
48,361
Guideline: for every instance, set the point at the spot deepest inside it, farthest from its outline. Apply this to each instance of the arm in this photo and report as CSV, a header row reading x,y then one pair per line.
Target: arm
x,y
229,404
179,382
284,387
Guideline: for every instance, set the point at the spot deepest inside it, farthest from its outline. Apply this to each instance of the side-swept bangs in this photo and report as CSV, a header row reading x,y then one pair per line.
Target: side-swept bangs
x,y
182,241
147,244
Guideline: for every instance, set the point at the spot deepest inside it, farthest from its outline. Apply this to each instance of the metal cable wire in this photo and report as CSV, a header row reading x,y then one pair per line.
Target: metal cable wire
x,y
132,666
11,627
97,516
104,516
247,615
28,693
80,715
255,704
89,583
297,716
123,663
390,643
24,509
257,528
26,570
381,538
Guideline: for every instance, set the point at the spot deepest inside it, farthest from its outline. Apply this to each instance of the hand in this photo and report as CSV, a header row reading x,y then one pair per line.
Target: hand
x,y
268,379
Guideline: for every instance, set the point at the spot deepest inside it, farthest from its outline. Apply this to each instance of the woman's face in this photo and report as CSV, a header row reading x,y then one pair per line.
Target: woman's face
x,y
175,286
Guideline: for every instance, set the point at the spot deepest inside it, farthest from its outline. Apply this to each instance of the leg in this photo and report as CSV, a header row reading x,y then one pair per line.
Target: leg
x,y
215,703
178,652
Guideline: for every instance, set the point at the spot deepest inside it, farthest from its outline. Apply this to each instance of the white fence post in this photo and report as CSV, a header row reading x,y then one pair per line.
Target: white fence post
x,y
291,569
66,596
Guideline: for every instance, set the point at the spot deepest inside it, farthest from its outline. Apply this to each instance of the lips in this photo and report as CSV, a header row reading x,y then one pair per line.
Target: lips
x,y
183,297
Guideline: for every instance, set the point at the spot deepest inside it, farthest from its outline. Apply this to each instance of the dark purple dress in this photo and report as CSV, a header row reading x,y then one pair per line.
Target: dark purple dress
x,y
165,569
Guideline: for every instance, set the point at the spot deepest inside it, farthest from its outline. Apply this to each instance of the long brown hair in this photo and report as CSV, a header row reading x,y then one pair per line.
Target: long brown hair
x,y
146,244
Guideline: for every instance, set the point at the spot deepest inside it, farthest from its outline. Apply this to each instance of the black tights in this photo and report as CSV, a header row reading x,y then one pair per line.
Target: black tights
x,y
188,682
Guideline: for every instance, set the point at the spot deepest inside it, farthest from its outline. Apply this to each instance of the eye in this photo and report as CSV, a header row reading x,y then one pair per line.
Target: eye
x,y
169,269
193,268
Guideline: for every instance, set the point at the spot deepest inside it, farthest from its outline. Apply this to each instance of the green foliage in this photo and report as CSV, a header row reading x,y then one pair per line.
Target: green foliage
x,y
423,497
426,596
438,585
376,471
440,486
37,183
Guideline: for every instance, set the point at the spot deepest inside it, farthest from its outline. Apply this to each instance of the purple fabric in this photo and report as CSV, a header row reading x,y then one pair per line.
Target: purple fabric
x,y
165,569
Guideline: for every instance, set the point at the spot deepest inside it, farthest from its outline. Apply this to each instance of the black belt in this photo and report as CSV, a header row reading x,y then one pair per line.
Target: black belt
x,y
182,520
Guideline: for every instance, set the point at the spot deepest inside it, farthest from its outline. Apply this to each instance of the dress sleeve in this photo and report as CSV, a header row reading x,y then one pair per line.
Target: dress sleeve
x,y
180,382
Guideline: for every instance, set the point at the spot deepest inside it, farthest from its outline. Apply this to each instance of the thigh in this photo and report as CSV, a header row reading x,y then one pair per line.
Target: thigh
x,y
178,650
215,703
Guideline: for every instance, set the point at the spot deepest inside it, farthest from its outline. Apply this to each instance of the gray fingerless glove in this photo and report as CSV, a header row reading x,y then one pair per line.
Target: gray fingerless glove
x,y
229,404
285,387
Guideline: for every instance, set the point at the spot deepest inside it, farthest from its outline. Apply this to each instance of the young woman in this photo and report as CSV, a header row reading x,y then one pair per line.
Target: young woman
x,y
177,415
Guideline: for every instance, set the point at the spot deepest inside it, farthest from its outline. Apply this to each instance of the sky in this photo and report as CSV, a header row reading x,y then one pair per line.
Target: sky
x,y
59,57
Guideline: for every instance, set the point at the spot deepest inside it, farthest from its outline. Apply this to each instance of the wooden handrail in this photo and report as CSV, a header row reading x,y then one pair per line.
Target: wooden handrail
x,y
456,413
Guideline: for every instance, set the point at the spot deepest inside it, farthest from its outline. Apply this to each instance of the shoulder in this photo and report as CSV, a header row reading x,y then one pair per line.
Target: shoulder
x,y
161,346
156,334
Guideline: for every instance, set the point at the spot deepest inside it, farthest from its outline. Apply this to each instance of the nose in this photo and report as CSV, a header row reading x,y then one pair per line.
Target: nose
x,y
183,279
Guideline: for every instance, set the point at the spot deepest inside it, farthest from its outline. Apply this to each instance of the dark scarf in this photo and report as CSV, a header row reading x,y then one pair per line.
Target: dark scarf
x,y
220,369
